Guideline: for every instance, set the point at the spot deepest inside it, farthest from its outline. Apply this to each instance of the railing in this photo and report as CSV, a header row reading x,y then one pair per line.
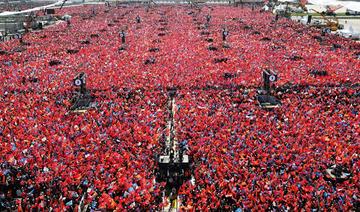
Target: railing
x,y
11,24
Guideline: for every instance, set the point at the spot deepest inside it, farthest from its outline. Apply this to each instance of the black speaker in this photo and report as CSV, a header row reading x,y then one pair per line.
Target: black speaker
x,y
50,11
309,19
269,77
79,80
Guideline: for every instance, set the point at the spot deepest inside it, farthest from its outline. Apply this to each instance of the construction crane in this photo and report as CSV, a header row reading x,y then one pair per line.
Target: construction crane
x,y
63,3
330,10
331,23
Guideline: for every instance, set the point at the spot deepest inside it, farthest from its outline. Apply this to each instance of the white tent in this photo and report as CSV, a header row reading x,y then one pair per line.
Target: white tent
x,y
352,5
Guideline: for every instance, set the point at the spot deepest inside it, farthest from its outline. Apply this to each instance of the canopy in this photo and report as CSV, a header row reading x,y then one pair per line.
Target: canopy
x,y
352,5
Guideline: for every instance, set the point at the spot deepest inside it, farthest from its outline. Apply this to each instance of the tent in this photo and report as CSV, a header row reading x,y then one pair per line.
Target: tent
x,y
353,5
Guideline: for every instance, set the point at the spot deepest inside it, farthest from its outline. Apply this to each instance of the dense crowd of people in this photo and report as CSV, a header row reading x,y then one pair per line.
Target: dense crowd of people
x,y
242,157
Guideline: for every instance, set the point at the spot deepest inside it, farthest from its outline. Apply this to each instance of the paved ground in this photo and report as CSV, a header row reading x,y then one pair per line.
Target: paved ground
x,y
354,23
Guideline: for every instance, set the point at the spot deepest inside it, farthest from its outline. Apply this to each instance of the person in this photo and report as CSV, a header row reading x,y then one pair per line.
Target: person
x,y
208,18
19,37
122,36
325,31
173,198
225,33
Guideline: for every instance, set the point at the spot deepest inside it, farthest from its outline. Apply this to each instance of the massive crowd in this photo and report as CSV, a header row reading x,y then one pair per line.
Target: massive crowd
x,y
243,157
